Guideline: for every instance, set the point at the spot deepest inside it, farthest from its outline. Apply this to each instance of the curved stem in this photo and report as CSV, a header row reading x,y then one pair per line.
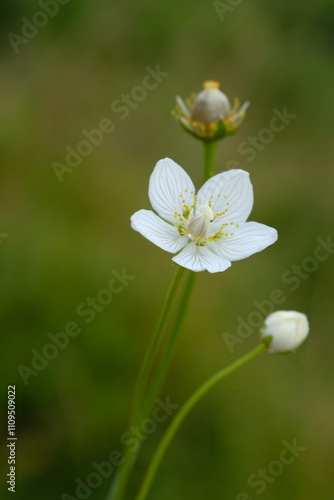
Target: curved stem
x,y
184,411
209,149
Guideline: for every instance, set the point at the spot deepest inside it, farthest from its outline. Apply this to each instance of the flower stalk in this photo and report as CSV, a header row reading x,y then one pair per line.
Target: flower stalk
x,y
142,405
209,149
120,483
185,410
165,361
156,341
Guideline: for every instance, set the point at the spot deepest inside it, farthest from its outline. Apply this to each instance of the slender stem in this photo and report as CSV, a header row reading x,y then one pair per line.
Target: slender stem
x,y
164,364
209,149
130,457
120,481
156,341
184,411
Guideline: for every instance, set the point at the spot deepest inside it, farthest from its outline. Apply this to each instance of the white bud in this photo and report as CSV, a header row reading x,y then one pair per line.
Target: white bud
x,y
210,105
285,330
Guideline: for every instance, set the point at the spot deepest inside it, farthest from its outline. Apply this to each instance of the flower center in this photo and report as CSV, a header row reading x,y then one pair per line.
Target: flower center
x,y
199,226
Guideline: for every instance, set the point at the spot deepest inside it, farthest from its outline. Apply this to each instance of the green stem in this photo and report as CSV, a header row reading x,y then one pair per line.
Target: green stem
x,y
209,149
164,364
120,482
184,411
156,341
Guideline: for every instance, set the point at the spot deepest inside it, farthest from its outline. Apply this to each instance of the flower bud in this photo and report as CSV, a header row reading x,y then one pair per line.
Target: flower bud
x,y
284,331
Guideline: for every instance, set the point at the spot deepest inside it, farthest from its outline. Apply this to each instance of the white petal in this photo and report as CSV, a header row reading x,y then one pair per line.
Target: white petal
x,y
244,107
236,119
169,185
230,193
197,258
250,238
158,231
183,106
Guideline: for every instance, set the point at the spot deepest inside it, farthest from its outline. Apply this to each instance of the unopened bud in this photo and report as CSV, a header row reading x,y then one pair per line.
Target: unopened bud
x,y
284,331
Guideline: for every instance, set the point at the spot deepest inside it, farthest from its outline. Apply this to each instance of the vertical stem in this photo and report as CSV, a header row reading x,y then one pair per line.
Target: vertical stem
x,y
118,488
209,149
155,342
120,481
184,411
168,352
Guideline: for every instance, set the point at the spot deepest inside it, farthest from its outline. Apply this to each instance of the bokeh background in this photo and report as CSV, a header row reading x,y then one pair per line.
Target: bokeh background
x,y
61,240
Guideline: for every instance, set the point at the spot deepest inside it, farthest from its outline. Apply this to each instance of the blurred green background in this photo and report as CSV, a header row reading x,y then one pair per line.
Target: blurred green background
x,y
61,240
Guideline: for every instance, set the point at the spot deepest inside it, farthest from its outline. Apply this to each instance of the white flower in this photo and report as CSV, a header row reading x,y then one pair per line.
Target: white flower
x,y
207,231
209,114
284,331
